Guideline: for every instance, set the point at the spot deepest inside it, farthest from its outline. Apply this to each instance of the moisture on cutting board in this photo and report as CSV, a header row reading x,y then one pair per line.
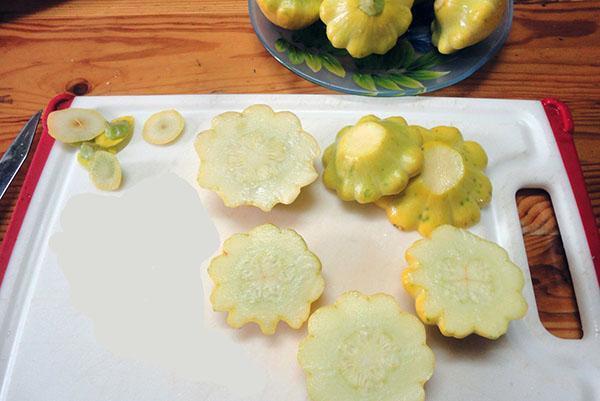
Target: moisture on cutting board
x,y
133,269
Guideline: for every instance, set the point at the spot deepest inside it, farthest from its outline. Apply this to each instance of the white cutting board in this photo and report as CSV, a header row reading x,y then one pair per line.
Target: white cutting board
x,y
50,351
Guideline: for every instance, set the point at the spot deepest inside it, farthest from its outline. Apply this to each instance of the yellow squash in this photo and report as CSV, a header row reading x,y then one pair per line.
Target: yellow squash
x,y
451,188
290,14
462,23
373,158
364,27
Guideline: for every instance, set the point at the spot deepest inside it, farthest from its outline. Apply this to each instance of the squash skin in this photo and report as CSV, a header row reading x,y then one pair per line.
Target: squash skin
x,y
291,14
350,27
463,23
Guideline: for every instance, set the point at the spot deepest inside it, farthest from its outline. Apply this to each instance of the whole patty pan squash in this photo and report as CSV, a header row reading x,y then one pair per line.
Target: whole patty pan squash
x,y
462,23
373,158
364,27
451,188
291,14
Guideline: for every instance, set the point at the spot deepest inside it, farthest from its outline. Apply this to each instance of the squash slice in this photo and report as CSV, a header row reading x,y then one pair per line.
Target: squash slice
x,y
264,276
257,157
364,348
464,284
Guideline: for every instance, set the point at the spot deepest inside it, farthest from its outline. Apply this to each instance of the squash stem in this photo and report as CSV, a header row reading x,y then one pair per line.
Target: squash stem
x,y
371,7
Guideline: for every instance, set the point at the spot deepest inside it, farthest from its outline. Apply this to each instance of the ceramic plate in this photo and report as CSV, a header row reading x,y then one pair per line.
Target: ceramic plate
x,y
412,67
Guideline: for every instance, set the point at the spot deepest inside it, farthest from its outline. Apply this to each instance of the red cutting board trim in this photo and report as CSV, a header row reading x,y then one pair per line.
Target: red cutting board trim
x,y
561,121
558,114
32,177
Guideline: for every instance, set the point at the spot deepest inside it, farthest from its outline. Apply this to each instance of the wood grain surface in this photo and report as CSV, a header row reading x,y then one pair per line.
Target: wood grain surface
x,y
208,46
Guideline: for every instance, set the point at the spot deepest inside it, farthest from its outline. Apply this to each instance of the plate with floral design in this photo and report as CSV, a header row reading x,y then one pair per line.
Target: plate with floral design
x,y
412,67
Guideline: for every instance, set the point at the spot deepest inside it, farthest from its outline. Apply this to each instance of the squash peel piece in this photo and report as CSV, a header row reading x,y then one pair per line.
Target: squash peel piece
x,y
117,136
256,157
451,189
464,284
364,348
373,158
264,276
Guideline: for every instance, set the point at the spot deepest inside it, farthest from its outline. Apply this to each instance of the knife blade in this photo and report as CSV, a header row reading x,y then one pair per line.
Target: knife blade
x,y
13,158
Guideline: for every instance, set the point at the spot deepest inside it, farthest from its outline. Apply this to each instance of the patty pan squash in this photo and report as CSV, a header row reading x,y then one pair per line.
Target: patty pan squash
x,y
462,23
464,284
364,27
291,14
451,188
365,348
373,158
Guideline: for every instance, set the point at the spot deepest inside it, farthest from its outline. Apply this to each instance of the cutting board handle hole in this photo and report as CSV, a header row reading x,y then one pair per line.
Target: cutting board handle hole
x,y
553,287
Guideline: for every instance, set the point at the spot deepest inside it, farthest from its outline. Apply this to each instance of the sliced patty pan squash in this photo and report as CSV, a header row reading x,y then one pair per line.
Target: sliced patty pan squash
x,y
364,27
257,157
464,284
290,14
462,23
264,276
372,159
451,188
364,348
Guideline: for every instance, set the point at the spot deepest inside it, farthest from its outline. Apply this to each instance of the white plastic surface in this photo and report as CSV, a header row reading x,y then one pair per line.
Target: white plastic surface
x,y
48,350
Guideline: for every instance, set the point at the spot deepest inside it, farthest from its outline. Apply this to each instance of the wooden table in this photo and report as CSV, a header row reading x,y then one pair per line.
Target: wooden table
x,y
208,46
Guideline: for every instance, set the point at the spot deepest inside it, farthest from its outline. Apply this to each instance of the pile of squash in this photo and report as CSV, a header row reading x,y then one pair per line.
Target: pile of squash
x,y
365,27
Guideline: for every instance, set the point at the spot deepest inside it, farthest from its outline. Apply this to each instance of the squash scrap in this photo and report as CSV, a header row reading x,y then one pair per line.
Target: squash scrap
x,y
163,127
464,284
257,157
117,136
373,158
264,276
105,171
451,188
364,348
75,125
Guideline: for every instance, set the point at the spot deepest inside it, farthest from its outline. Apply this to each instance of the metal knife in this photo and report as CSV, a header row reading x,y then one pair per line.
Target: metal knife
x,y
13,159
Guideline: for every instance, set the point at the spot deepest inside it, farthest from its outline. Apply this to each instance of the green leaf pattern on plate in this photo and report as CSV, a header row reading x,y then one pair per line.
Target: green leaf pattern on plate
x,y
399,69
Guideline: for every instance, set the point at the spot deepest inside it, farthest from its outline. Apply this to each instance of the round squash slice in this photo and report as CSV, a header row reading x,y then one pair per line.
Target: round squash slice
x,y
451,188
364,348
373,158
257,157
264,276
464,284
